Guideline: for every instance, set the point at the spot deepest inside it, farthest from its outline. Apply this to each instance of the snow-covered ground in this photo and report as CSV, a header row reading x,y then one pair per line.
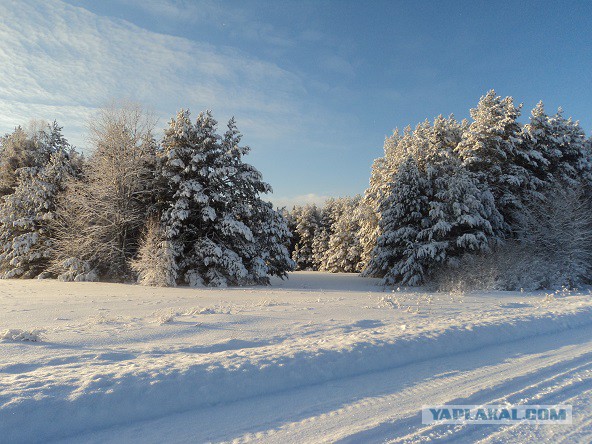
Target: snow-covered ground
x,y
317,358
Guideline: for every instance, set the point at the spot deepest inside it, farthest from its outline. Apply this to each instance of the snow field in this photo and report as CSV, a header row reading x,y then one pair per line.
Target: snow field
x,y
154,360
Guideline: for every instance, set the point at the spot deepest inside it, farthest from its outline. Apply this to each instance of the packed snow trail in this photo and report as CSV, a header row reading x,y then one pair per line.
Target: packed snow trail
x,y
385,406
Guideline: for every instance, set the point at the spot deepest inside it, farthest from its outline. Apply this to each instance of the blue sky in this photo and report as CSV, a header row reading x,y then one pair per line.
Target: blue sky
x,y
315,86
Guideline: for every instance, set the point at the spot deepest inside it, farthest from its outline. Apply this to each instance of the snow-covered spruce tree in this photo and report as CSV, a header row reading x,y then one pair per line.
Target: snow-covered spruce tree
x,y
460,215
368,211
398,150
267,254
26,238
322,234
458,222
101,215
402,213
155,263
492,149
563,147
307,221
272,243
436,213
221,232
28,148
344,250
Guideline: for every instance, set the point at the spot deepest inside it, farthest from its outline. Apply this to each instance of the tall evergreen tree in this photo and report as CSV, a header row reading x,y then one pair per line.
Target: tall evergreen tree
x,y
31,148
33,167
368,212
435,212
402,214
492,150
322,234
26,237
460,216
221,232
307,221
344,251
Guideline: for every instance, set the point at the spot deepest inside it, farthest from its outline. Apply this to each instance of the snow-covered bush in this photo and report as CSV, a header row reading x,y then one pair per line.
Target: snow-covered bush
x,y
556,240
16,334
76,270
155,264
165,316
553,249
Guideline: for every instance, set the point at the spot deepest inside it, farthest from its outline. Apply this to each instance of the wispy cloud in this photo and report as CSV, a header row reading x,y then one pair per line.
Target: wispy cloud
x,y
240,22
61,61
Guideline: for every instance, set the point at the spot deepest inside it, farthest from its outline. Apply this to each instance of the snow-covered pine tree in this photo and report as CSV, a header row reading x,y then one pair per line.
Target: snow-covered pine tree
x,y
492,149
320,243
221,232
400,163
368,212
459,214
28,148
573,167
26,238
266,254
543,256
191,166
272,243
344,249
307,221
459,218
155,264
539,136
402,213
435,213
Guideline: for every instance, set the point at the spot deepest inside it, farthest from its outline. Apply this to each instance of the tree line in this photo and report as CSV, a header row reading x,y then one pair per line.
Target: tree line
x,y
183,210
490,202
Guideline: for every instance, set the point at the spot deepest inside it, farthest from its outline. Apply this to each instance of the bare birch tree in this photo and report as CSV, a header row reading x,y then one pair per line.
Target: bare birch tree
x,y
101,215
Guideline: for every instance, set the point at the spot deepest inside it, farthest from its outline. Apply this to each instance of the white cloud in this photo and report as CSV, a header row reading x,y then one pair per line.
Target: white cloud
x,y
302,199
59,61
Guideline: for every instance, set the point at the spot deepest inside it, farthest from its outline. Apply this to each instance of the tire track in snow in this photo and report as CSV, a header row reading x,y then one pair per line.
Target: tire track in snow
x,y
544,391
385,405
375,420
